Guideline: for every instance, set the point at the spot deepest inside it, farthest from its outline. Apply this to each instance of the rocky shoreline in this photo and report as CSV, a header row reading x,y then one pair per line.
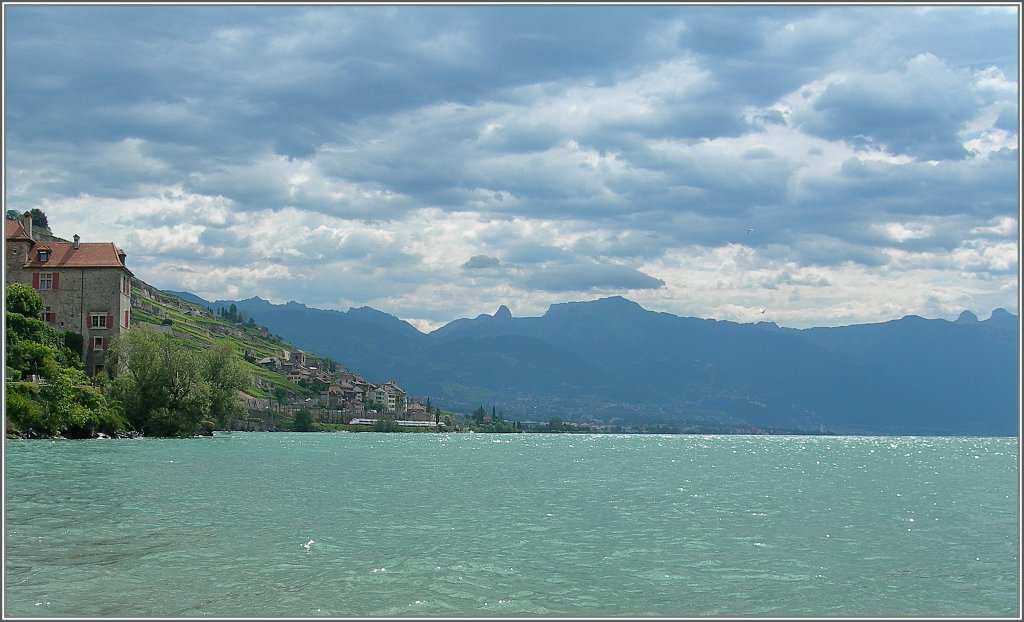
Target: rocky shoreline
x,y
32,433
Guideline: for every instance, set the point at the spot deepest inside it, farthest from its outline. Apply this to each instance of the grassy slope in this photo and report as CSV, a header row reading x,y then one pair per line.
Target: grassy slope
x,y
151,306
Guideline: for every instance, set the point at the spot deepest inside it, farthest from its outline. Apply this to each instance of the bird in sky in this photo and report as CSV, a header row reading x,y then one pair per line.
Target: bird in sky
x,y
750,230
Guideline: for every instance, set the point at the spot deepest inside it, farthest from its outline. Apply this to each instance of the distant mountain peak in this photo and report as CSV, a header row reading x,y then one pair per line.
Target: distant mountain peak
x,y
503,313
967,318
611,303
1000,313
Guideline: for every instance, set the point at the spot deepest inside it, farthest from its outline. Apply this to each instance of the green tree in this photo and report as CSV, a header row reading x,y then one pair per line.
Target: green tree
x,y
33,346
479,414
39,218
226,375
160,382
386,425
375,407
303,421
23,299
13,214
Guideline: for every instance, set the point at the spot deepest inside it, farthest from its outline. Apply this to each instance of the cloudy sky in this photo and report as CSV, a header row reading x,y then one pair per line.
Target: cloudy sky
x,y
828,165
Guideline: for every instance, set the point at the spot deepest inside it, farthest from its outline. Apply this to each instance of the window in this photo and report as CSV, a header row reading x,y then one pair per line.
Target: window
x,y
97,343
49,316
44,280
99,320
44,255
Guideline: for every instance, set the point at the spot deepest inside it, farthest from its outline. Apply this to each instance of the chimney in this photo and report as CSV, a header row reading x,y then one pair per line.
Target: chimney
x,y
76,241
27,216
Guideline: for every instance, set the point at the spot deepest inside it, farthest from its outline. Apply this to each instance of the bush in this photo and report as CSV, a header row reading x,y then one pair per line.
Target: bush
x,y
303,421
32,341
386,425
23,411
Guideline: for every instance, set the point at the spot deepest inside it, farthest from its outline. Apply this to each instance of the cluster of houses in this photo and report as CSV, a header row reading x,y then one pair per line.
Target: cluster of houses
x,y
355,397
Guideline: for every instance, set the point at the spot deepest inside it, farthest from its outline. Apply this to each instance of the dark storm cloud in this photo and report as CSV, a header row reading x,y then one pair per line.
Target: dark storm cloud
x,y
917,111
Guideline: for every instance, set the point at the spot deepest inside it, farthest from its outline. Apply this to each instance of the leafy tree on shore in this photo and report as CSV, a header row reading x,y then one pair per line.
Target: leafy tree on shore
x,y
226,375
167,388
303,421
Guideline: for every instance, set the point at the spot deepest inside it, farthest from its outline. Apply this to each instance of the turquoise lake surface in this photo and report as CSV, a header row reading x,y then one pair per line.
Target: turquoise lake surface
x,y
526,525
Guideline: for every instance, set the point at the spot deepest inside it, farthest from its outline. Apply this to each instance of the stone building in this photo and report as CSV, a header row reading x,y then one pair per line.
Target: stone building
x,y
391,396
85,286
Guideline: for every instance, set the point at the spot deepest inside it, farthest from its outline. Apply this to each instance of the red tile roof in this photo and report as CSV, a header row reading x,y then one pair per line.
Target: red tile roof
x,y
87,255
64,254
15,230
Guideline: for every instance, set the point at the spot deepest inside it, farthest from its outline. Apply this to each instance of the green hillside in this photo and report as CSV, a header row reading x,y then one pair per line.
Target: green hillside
x,y
200,328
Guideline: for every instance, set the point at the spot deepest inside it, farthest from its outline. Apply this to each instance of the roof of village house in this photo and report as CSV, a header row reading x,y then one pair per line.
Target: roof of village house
x,y
15,230
87,255
64,254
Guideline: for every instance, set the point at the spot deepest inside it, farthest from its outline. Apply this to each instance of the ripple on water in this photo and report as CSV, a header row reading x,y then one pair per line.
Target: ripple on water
x,y
536,525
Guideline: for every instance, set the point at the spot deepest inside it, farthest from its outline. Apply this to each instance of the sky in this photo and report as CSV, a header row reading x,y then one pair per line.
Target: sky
x,y
813,165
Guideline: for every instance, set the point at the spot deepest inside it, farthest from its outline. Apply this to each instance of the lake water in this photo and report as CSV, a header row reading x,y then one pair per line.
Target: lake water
x,y
528,525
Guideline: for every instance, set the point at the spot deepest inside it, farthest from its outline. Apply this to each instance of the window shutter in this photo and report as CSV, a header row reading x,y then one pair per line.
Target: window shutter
x,y
126,319
55,275
53,319
35,280
110,321
103,342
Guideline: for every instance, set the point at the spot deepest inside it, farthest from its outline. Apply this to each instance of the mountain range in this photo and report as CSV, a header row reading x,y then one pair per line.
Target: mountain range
x,y
612,360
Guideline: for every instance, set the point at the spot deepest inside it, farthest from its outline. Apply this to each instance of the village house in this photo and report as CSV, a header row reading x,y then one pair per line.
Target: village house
x,y
85,286
417,411
270,363
391,396
333,396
